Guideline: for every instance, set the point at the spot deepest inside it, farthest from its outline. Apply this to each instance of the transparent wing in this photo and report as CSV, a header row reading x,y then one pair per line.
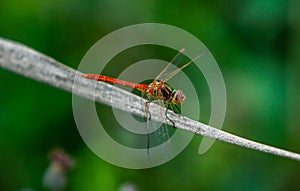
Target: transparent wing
x,y
166,70
166,74
162,135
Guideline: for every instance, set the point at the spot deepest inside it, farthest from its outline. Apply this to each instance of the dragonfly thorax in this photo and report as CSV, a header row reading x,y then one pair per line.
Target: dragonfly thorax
x,y
161,90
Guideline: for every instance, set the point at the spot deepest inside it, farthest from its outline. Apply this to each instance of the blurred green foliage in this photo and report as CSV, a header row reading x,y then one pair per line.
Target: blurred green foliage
x,y
256,44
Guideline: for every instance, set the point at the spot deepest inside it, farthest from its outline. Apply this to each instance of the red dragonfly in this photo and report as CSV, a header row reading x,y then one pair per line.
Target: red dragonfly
x,y
158,89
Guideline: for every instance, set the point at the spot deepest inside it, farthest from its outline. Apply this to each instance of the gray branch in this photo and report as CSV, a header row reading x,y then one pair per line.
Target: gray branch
x,y
25,61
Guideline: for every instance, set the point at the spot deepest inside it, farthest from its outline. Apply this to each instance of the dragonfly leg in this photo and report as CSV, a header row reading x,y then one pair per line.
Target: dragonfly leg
x,y
175,112
166,114
148,117
148,114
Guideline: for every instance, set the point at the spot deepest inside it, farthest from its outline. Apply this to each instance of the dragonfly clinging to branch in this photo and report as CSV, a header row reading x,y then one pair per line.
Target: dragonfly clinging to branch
x,y
157,90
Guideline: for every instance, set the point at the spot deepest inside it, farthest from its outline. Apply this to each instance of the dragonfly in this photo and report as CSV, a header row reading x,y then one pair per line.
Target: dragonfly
x,y
157,90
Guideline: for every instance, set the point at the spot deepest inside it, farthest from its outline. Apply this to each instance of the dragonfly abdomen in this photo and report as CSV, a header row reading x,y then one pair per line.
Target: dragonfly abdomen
x,y
140,87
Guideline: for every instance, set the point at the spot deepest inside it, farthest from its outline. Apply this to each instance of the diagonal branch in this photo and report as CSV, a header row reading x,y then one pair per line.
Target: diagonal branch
x,y
25,61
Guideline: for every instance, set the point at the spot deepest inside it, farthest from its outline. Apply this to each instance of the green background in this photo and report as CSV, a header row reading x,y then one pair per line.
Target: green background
x,y
256,44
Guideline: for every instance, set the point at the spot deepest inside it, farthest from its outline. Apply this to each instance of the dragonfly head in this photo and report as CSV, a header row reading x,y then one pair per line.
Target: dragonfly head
x,y
178,97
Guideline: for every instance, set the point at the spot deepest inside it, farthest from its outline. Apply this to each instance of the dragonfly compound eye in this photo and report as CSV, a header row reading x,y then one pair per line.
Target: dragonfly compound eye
x,y
179,97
